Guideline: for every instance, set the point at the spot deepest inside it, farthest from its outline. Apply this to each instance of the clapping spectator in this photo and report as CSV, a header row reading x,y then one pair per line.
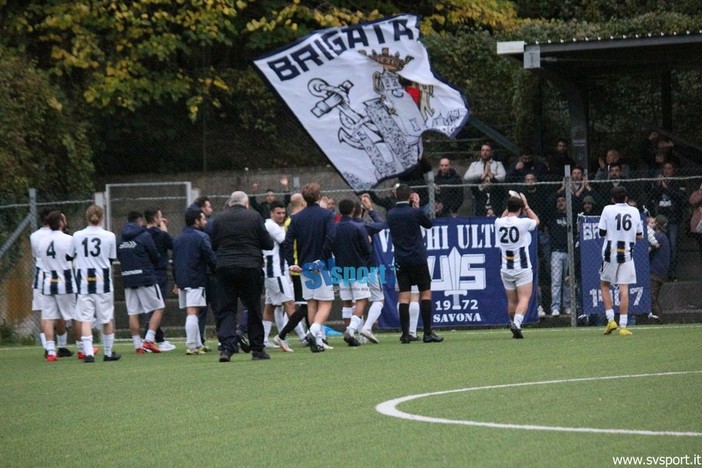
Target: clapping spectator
x,y
485,172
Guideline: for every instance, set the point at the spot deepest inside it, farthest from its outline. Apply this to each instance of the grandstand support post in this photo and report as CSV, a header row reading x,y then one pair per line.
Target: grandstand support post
x,y
33,209
571,249
431,189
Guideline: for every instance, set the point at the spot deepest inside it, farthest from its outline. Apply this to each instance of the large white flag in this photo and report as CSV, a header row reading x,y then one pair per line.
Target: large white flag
x,y
366,93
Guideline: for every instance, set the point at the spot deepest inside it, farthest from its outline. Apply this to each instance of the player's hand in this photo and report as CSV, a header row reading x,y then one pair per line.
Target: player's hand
x,y
295,268
324,202
366,202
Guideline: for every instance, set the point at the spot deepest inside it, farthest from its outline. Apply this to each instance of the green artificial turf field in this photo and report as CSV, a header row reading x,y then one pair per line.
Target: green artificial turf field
x,y
320,409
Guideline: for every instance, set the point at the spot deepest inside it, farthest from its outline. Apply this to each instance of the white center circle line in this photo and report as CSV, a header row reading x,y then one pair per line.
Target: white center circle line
x,y
389,408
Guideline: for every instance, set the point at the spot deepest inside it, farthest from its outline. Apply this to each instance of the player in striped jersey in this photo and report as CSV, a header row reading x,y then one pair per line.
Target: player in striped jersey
x,y
55,252
280,295
621,226
513,234
95,249
60,329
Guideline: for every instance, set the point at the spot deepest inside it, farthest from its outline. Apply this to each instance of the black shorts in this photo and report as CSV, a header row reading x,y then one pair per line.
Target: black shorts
x,y
408,275
297,289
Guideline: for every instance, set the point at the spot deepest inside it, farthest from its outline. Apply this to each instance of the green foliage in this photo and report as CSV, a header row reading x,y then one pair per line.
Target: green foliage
x,y
43,146
602,10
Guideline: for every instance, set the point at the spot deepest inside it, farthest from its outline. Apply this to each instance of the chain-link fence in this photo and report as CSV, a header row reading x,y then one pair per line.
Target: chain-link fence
x,y
557,209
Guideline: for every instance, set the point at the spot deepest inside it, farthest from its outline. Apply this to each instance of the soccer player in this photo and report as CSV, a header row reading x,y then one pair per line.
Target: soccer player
x,y
313,229
351,252
157,225
138,257
95,250
279,288
58,286
61,334
377,297
192,256
513,234
621,226
405,222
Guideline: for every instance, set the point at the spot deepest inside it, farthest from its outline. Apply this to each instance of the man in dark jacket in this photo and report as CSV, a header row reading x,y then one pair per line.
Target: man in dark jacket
x,y
138,258
405,222
448,199
351,253
239,239
313,228
192,257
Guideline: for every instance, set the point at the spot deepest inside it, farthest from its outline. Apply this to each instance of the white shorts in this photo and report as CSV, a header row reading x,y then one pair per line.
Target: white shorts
x,y
414,288
98,307
279,290
143,299
511,279
353,290
36,299
618,273
59,306
192,297
317,288
376,290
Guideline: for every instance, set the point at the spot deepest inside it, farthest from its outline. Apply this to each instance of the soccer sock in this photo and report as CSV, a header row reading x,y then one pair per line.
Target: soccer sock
x,y
316,331
280,318
150,335
62,340
425,307
136,339
79,345
51,347
518,319
404,318
623,320
267,325
42,337
354,325
373,313
413,318
88,345
108,341
610,314
192,329
300,330
346,313
294,320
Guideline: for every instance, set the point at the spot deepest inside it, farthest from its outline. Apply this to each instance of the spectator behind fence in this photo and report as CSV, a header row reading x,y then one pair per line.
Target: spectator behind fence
x,y
580,187
615,178
526,164
589,207
696,218
264,208
668,197
612,157
448,199
558,232
559,159
486,172
659,259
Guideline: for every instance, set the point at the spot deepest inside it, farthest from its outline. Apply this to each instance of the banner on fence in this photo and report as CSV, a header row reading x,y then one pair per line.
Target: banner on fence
x,y
591,260
366,94
465,267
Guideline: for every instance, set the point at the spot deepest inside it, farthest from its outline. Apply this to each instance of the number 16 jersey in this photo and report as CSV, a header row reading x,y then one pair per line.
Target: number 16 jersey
x,y
513,238
622,223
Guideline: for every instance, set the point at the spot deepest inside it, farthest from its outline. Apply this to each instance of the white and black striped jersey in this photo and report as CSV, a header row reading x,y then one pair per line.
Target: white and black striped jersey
x,y
513,239
34,240
623,224
55,251
274,263
95,249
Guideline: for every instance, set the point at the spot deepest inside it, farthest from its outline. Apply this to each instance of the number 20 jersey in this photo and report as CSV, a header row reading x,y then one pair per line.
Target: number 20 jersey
x,y
622,223
513,238
95,249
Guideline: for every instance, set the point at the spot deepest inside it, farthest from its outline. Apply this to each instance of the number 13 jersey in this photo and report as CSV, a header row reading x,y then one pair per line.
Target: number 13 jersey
x,y
95,249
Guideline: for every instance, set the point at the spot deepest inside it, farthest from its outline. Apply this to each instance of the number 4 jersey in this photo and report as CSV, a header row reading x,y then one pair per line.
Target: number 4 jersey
x,y
622,223
95,250
55,254
513,238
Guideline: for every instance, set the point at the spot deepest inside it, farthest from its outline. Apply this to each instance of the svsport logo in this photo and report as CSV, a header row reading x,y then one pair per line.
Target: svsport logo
x,y
319,273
